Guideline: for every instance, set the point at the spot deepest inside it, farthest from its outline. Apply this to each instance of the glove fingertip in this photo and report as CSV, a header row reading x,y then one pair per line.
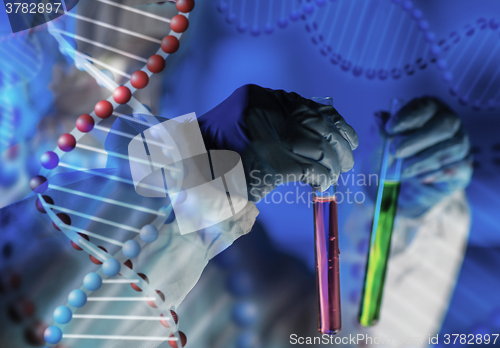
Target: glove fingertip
x,y
354,143
349,134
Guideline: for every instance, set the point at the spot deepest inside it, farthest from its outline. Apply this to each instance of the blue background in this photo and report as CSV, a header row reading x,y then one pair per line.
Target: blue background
x,y
216,58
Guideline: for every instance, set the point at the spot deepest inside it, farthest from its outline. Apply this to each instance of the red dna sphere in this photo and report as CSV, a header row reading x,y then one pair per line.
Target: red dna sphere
x,y
103,109
183,338
85,123
122,95
170,44
139,79
179,23
156,63
64,218
143,276
185,6
76,246
66,142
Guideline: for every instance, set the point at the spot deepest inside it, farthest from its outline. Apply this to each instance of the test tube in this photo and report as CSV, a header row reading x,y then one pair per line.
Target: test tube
x,y
381,233
327,255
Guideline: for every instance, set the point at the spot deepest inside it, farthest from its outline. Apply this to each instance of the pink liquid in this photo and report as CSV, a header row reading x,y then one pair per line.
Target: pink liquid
x,y
327,264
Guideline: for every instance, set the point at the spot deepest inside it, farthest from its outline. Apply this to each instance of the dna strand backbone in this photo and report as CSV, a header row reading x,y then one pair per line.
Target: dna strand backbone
x,y
472,72
391,39
379,39
386,40
9,119
91,220
264,16
21,58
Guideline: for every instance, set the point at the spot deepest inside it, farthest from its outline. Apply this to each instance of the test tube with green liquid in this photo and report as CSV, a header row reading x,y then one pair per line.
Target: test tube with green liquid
x,y
380,238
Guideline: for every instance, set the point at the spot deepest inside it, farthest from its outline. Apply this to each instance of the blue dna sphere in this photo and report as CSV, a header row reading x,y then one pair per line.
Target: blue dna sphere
x,y
92,281
63,315
53,335
111,267
244,314
77,298
149,233
131,249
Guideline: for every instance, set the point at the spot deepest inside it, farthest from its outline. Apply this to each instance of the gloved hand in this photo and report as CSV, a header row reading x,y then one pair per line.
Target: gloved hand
x,y
431,139
281,137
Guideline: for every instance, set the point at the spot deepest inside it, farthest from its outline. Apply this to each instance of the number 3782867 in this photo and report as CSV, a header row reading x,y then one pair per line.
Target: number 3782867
x,y
21,7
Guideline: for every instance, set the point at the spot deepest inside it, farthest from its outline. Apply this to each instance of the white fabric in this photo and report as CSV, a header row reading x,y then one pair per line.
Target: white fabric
x,y
425,262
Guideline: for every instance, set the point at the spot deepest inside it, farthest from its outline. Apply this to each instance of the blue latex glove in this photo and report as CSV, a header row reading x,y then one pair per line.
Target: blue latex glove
x,y
281,137
435,147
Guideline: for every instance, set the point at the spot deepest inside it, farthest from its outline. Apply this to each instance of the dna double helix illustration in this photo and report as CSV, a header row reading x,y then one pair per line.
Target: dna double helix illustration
x,y
391,39
92,221
23,61
374,39
247,15
21,57
474,78
9,117
387,40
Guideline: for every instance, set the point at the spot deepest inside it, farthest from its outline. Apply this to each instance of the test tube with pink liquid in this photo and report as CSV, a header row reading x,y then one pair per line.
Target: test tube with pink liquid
x,y
326,242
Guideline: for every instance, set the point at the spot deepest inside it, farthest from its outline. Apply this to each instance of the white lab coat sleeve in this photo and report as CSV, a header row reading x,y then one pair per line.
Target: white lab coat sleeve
x,y
426,258
176,263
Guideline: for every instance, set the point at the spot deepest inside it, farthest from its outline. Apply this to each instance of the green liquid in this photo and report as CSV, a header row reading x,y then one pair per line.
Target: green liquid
x,y
378,255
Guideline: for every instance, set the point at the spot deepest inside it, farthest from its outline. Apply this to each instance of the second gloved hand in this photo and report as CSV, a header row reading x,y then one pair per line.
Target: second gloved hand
x,y
435,147
281,137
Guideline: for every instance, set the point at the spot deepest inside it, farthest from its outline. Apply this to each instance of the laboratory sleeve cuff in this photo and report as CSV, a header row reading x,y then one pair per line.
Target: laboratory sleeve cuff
x,y
175,262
